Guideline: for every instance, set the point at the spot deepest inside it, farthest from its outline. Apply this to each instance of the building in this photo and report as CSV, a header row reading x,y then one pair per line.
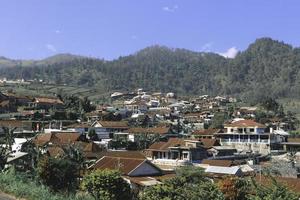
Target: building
x,y
176,152
106,129
249,136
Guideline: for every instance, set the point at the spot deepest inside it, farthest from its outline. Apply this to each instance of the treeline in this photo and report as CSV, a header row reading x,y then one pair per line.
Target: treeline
x,y
268,68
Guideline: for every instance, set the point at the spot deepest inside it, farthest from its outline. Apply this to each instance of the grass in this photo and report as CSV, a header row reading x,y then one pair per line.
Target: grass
x,y
20,186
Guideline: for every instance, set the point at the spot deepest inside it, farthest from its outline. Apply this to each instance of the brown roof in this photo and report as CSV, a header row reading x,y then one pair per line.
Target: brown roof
x,y
210,131
92,147
11,123
209,143
125,165
48,100
221,163
114,124
245,124
152,130
172,142
56,138
55,151
66,138
42,139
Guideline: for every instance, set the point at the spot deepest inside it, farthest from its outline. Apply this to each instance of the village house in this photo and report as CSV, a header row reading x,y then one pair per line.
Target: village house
x,y
135,133
106,129
248,135
130,163
176,152
46,103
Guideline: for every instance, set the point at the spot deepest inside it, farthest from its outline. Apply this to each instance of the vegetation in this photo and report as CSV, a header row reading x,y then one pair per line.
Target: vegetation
x,y
268,68
61,172
189,184
106,184
21,186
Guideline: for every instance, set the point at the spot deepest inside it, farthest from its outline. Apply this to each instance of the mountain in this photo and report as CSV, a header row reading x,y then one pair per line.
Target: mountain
x,y
266,68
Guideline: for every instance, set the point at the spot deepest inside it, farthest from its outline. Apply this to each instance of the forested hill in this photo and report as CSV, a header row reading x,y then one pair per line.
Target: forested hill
x,y
267,67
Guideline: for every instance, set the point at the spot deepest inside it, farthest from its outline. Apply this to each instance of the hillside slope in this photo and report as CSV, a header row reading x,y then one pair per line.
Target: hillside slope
x,y
266,68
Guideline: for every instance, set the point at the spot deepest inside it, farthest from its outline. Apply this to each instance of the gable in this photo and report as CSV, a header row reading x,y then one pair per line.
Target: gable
x,y
145,169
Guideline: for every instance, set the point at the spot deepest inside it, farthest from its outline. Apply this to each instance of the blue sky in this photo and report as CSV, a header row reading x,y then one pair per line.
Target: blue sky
x,y
34,29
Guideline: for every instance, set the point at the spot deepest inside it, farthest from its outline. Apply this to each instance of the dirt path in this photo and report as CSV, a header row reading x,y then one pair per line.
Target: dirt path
x,y
6,197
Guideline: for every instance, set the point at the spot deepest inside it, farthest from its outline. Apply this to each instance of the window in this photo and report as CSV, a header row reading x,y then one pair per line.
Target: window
x,y
251,130
185,155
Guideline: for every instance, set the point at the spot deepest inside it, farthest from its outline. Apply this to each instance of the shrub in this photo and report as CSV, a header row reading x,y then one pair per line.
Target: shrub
x,y
106,184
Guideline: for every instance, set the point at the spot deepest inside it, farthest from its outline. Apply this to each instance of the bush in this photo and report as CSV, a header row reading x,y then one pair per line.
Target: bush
x,y
20,186
58,173
106,184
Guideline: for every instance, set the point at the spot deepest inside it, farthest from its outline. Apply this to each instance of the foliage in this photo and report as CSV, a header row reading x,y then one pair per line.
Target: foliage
x,y
234,188
21,186
268,68
57,173
106,184
189,184
61,172
274,191
218,120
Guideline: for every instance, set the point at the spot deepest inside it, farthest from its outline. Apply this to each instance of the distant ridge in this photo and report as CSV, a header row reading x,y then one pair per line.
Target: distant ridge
x,y
266,68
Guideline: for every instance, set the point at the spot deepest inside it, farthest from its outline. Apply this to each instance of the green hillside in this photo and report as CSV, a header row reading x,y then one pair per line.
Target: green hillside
x,y
266,68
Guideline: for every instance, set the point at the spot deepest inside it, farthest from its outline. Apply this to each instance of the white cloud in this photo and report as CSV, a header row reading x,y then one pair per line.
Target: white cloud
x,y
230,53
57,31
51,47
207,46
170,9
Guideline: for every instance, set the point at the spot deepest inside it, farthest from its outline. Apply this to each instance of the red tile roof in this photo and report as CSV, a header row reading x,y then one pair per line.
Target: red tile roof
x,y
245,124
113,124
125,165
221,163
164,146
56,138
209,143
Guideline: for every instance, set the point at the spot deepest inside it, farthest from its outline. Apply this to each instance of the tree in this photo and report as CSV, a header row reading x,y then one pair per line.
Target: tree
x,y
270,104
234,188
218,120
272,191
188,184
106,184
58,173
61,172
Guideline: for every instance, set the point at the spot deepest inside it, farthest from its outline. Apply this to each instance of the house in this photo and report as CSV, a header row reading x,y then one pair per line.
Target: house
x,y
46,103
57,138
176,152
90,150
224,171
81,128
248,135
128,166
136,132
106,129
137,104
